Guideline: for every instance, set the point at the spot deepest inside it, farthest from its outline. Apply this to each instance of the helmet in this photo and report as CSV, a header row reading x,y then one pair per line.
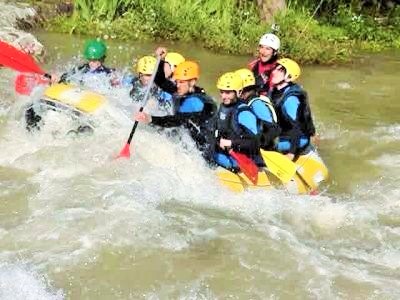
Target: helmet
x,y
95,50
247,77
187,70
174,59
146,65
292,68
270,40
230,81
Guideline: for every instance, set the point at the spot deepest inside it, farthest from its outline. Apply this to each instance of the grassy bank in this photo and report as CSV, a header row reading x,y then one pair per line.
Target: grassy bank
x,y
234,26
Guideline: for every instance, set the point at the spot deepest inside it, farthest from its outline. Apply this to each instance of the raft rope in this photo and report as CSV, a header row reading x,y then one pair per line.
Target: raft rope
x,y
309,20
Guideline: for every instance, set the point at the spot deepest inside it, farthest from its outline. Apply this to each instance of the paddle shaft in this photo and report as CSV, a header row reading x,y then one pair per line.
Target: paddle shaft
x,y
145,98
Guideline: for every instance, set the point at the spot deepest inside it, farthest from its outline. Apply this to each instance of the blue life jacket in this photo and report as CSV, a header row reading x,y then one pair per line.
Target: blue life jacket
x,y
267,119
236,122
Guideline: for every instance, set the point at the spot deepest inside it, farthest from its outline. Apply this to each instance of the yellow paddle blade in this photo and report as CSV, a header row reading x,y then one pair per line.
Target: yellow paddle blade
x,y
82,100
279,165
312,169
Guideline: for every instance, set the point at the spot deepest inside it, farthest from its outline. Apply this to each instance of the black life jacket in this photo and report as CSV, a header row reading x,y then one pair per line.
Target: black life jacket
x,y
83,69
227,120
201,127
304,117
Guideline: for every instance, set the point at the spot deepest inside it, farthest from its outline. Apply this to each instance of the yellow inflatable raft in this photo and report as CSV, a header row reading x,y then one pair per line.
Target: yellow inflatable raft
x,y
75,101
307,173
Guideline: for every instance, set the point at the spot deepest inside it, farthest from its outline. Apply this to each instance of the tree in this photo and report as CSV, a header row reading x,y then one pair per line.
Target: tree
x,y
268,8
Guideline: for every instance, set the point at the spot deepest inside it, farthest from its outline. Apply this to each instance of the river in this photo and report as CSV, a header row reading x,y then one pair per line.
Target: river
x,y
76,224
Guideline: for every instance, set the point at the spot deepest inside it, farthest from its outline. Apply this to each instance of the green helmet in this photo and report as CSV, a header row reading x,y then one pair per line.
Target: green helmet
x,y
95,50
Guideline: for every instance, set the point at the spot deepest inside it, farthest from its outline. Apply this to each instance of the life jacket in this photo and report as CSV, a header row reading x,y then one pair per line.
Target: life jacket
x,y
101,69
269,129
228,127
267,103
163,99
227,120
85,69
201,126
303,119
262,72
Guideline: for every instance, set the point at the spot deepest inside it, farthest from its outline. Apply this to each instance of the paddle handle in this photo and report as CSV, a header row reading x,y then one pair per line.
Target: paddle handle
x,y
145,97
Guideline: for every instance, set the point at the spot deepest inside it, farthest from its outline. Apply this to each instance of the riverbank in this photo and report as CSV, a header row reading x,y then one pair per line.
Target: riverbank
x,y
229,26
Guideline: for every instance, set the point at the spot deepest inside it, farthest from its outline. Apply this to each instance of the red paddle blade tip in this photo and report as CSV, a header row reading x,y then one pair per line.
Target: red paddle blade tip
x,y
254,178
125,152
246,165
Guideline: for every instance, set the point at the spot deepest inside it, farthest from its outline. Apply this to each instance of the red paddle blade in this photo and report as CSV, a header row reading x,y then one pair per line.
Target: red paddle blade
x,y
125,152
25,83
15,59
246,165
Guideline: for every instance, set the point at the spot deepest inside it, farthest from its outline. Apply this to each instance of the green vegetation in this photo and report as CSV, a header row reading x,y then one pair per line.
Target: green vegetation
x,y
328,36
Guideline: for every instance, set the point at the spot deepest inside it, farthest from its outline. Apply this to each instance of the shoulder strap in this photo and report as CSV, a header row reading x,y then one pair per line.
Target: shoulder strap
x,y
268,103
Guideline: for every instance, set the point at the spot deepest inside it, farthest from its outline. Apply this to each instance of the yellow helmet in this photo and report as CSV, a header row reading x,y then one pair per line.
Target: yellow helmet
x,y
187,70
292,68
247,76
146,65
230,82
174,59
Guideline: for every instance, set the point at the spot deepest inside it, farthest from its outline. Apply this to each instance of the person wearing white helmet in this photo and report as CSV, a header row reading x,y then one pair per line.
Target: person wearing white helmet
x,y
262,67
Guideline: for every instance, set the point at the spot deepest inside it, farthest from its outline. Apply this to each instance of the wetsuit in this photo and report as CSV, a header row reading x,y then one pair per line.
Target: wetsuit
x,y
195,112
83,70
164,99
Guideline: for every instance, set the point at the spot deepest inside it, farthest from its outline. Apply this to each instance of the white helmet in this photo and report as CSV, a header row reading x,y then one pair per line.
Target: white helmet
x,y
270,40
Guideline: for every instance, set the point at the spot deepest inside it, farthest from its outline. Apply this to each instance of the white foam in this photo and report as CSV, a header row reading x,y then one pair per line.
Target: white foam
x,y
20,283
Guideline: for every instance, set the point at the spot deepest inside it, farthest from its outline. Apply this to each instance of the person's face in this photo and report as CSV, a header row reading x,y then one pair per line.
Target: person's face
x,y
265,53
278,75
245,95
94,64
144,79
183,87
227,97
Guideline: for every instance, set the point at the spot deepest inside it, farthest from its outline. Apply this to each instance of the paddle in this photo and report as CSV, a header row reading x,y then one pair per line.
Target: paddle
x,y
20,61
279,165
125,152
246,165
284,168
24,83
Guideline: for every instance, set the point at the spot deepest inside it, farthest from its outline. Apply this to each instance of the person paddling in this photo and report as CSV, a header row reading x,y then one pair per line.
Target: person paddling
x,y
144,68
194,109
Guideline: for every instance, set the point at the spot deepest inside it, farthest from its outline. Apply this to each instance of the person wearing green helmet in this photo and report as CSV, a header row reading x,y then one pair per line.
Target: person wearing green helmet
x,y
95,52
